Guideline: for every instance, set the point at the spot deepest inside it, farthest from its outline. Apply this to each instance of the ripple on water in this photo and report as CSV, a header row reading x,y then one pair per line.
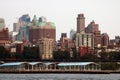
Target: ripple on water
x,y
59,76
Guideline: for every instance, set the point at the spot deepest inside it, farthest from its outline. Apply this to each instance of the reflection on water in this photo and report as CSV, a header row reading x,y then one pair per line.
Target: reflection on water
x,y
59,76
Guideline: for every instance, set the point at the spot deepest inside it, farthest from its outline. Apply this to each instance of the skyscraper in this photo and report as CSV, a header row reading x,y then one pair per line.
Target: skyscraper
x,y
16,27
80,23
2,23
72,34
94,29
41,30
23,28
83,40
24,20
23,34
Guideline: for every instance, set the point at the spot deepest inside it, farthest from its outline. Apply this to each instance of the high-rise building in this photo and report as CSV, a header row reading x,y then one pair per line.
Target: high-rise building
x,y
23,27
16,27
72,34
24,20
105,40
84,42
41,30
23,34
46,48
65,43
4,33
80,23
2,23
94,29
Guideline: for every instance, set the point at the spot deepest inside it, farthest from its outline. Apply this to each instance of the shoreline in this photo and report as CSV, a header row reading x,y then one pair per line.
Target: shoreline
x,y
65,72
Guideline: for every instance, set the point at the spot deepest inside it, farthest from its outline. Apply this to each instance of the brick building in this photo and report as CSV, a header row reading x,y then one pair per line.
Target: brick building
x,y
105,40
83,40
42,30
65,42
93,28
4,36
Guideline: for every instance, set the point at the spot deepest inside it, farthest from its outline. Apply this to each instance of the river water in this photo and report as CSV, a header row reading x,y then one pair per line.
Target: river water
x,y
59,76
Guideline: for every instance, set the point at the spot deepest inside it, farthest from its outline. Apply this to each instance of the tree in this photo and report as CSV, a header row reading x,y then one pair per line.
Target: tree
x,y
3,53
89,56
76,55
31,53
110,66
114,56
61,55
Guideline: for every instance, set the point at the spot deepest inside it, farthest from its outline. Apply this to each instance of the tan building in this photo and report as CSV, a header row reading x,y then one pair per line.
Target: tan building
x,y
84,39
46,48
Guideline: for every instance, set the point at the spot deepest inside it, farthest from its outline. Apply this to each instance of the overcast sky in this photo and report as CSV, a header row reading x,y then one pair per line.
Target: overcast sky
x,y
63,13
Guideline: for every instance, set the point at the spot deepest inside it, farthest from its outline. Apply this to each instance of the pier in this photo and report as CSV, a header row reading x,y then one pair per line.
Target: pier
x,y
53,67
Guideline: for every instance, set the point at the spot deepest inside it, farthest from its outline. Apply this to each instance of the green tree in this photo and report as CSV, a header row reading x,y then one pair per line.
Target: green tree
x,y
31,53
76,55
114,55
3,53
61,55
109,66
89,56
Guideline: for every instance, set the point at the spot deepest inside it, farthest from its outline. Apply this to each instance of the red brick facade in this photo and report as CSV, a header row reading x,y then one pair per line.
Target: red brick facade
x,y
39,33
4,36
84,50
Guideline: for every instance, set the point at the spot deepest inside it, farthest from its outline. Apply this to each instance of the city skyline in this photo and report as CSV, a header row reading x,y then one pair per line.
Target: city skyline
x,y
64,13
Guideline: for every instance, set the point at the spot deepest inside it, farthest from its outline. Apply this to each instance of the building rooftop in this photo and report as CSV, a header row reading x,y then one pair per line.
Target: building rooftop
x,y
47,63
12,64
34,63
43,24
74,63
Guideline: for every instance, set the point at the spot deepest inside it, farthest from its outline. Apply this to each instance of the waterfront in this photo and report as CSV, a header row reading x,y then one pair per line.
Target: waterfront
x,y
59,76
